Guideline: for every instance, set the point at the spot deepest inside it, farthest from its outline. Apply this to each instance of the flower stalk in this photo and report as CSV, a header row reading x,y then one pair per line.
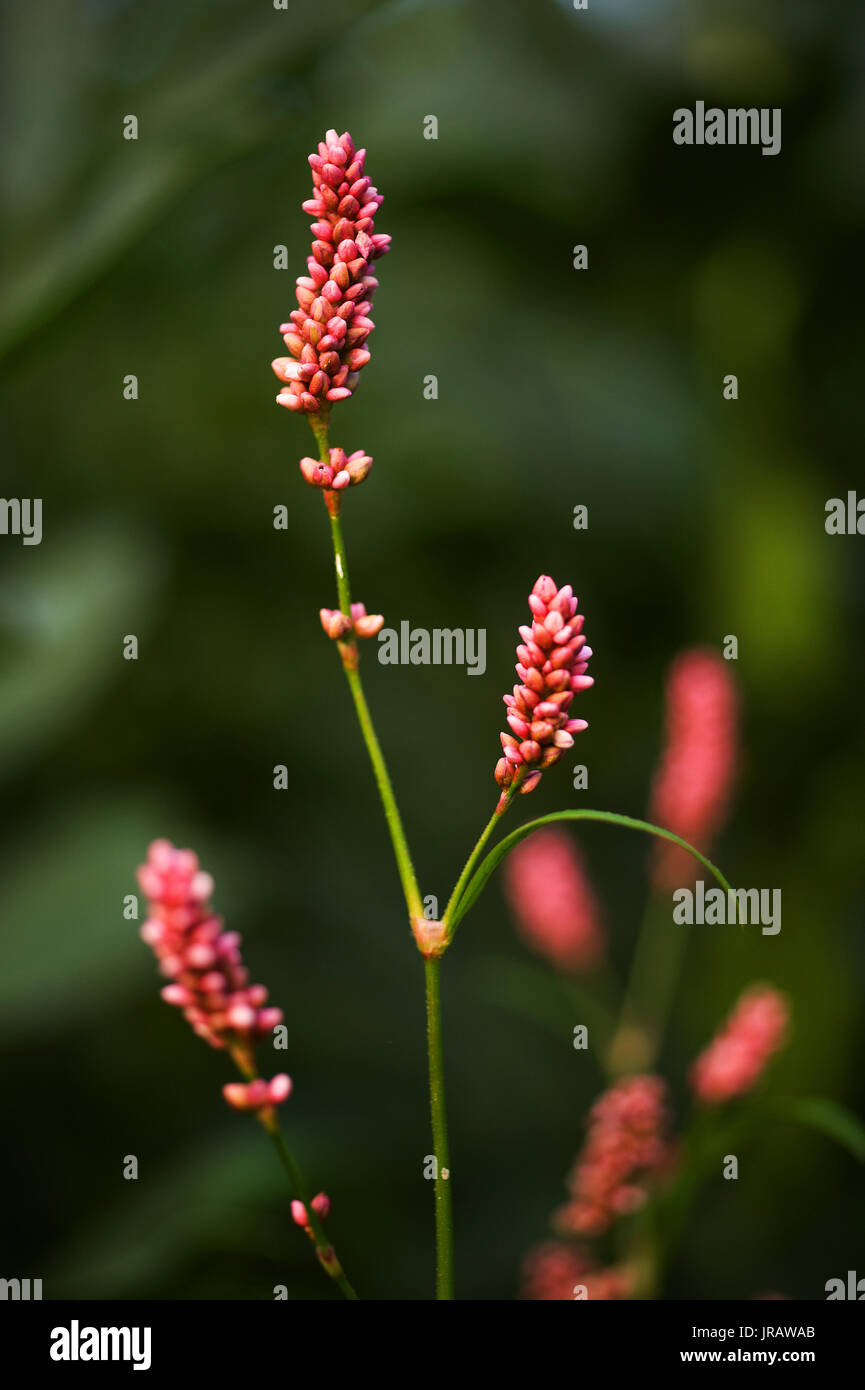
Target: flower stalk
x,y
327,338
210,983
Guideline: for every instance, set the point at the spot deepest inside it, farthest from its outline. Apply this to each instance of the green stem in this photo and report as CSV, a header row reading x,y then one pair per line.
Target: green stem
x,y
401,850
349,654
502,806
443,1208
340,562
408,878
654,975
324,1249
327,1258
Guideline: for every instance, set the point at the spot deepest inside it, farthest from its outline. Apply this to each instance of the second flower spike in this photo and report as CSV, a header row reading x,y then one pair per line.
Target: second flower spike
x,y
552,661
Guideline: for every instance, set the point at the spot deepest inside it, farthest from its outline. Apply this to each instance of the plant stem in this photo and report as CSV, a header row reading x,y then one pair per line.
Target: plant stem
x,y
401,850
501,807
349,654
245,1063
324,1249
655,968
340,561
408,878
443,1208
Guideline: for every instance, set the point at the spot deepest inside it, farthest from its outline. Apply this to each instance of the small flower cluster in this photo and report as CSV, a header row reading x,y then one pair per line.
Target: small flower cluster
x,y
258,1094
555,1272
203,962
736,1058
327,332
694,781
552,663
341,472
553,901
338,625
626,1144
320,1205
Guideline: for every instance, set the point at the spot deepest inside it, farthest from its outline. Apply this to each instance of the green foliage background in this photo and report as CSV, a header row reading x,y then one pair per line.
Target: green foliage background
x,y
155,257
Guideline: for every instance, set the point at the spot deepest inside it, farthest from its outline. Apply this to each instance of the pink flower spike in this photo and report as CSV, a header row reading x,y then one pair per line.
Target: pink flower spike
x,y
208,979
737,1057
329,329
694,780
551,664
626,1145
554,904
552,1271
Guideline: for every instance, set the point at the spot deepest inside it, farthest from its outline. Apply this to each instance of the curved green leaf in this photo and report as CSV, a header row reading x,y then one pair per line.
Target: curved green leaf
x,y
829,1118
476,884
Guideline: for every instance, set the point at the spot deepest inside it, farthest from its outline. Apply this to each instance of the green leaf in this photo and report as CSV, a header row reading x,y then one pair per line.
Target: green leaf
x,y
478,881
829,1118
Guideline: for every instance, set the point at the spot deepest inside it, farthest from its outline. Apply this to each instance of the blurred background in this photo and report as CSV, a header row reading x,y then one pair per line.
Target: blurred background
x,y
556,387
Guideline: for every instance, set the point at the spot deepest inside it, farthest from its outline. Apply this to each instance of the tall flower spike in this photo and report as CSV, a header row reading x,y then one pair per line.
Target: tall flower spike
x,y
552,661
553,901
554,1271
625,1144
737,1057
694,780
328,331
208,979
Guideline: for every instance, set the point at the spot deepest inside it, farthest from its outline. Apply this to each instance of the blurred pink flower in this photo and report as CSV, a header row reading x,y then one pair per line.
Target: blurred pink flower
x,y
208,979
736,1058
626,1143
552,1272
551,663
553,901
694,779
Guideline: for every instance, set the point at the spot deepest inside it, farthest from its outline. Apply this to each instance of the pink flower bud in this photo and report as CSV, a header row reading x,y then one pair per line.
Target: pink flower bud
x,y
369,624
279,1089
321,1205
335,624
358,466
